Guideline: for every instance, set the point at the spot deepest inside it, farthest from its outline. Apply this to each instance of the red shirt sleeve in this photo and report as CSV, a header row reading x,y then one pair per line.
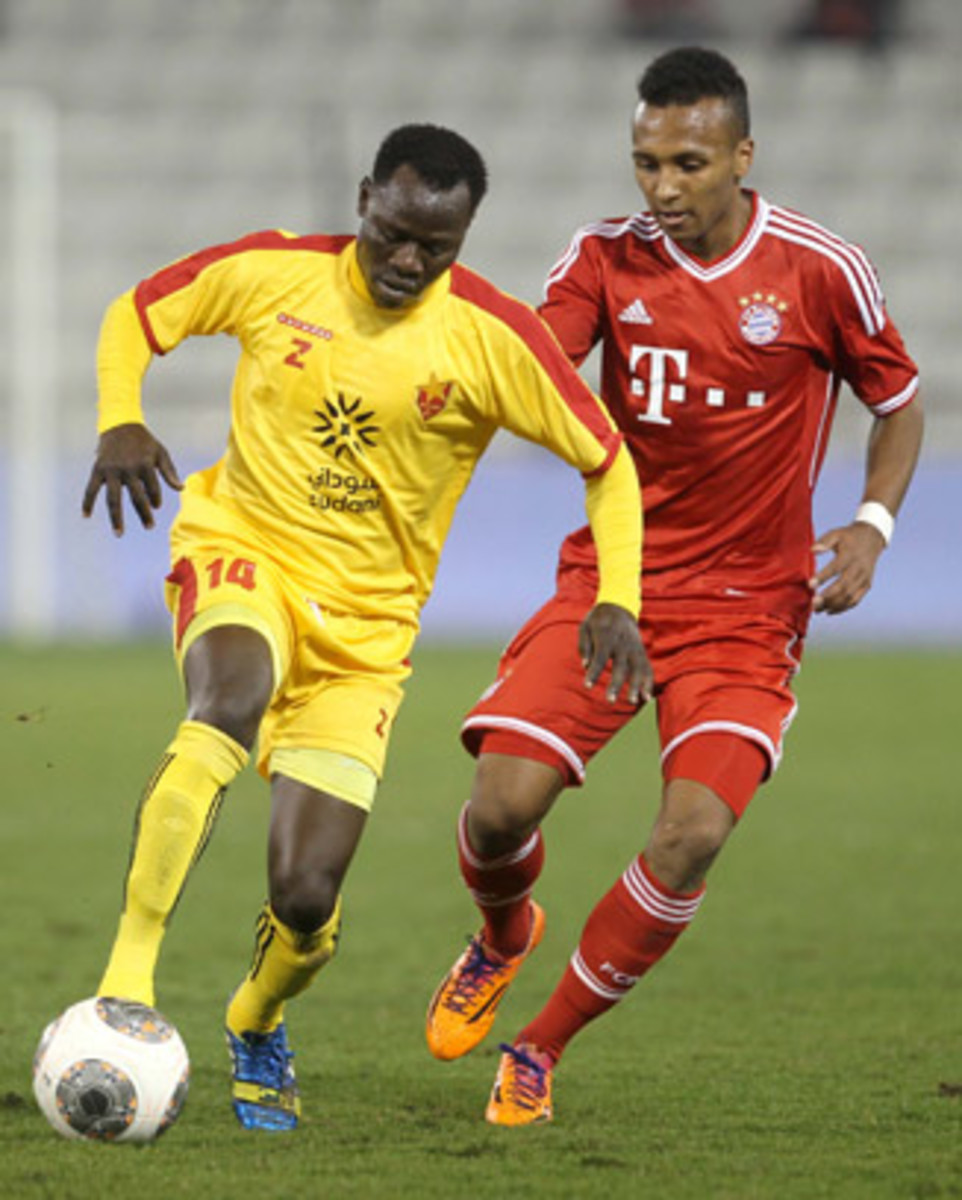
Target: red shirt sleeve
x,y
868,349
573,295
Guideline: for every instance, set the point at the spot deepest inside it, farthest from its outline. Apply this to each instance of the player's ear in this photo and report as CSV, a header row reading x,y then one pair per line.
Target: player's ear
x,y
364,195
744,155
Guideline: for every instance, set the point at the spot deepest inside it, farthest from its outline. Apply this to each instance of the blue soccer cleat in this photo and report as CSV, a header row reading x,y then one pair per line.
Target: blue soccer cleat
x,y
264,1088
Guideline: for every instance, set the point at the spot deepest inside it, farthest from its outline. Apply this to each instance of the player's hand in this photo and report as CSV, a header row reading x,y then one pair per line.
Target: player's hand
x,y
609,633
847,576
130,459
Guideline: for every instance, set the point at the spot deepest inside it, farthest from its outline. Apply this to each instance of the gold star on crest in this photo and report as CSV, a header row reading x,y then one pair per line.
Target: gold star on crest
x,y
434,389
771,299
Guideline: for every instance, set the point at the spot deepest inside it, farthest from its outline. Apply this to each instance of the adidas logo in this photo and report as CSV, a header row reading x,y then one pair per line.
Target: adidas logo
x,y
635,314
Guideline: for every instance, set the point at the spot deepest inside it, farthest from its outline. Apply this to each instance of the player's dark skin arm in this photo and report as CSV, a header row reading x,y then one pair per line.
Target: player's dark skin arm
x,y
609,633
893,450
129,458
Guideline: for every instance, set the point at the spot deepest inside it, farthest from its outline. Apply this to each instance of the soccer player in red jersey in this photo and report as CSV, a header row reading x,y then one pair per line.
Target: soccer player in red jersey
x,y
373,372
727,325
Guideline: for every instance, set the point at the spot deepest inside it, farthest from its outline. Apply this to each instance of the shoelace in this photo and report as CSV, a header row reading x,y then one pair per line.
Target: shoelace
x,y
267,1060
525,1085
475,973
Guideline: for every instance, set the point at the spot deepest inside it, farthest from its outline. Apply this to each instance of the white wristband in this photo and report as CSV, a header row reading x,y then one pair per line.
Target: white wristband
x,y
878,516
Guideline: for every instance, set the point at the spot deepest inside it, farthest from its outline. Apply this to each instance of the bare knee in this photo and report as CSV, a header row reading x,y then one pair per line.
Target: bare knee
x,y
509,799
312,840
691,829
236,715
303,900
680,855
230,678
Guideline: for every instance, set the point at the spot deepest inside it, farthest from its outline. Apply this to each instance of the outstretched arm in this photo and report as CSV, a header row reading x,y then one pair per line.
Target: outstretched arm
x,y
893,450
609,633
129,458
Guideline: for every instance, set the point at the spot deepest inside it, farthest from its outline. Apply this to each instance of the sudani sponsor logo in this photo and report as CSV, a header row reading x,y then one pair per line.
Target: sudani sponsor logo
x,y
343,491
345,427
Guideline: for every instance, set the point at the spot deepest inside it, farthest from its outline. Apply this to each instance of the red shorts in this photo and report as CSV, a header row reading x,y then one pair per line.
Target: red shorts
x,y
721,675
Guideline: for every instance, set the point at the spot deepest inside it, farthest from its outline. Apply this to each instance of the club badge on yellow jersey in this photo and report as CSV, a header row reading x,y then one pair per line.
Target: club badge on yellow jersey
x,y
434,395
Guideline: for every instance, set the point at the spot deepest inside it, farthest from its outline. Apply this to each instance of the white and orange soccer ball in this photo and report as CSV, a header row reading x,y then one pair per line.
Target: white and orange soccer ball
x,y
111,1071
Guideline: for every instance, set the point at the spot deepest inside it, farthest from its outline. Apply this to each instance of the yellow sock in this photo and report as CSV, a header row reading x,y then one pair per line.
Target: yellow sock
x,y
172,828
284,964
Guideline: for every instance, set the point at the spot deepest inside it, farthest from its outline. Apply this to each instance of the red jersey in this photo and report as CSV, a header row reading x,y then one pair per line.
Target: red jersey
x,y
724,377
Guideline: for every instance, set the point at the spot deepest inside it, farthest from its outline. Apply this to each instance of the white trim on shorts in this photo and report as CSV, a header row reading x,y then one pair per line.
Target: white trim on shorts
x,y
536,733
771,751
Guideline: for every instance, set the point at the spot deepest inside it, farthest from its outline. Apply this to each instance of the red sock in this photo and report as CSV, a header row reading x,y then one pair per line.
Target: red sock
x,y
500,887
629,930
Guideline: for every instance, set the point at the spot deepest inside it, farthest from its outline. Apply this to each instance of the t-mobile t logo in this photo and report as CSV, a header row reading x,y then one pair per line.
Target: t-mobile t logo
x,y
659,389
667,371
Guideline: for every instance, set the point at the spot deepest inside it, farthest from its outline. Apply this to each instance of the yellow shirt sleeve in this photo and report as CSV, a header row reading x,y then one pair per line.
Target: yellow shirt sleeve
x,y
539,395
204,293
613,501
123,355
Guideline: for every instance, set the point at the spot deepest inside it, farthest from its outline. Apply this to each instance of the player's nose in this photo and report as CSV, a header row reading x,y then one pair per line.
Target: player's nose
x,y
407,259
667,186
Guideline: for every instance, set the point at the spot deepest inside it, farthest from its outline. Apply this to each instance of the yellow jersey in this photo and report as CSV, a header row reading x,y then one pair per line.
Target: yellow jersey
x,y
355,428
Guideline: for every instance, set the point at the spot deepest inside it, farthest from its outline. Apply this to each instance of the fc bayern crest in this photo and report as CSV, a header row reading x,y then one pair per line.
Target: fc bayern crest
x,y
760,321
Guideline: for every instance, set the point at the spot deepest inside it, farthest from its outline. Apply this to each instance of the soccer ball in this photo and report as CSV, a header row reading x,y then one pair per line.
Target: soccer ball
x,y
111,1071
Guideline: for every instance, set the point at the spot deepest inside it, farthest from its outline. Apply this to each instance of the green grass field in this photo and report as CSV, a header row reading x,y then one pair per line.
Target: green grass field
x,y
803,1040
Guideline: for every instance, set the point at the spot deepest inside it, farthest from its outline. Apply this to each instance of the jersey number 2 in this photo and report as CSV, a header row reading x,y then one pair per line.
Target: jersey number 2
x,y
296,356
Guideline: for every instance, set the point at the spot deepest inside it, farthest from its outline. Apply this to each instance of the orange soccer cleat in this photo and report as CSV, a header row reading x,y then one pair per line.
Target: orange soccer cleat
x,y
465,1004
522,1090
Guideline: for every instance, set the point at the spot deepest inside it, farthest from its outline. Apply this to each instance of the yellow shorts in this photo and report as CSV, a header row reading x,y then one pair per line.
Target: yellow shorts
x,y
337,677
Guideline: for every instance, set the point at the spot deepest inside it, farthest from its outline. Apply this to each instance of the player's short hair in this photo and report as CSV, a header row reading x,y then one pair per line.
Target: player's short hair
x,y
440,156
690,74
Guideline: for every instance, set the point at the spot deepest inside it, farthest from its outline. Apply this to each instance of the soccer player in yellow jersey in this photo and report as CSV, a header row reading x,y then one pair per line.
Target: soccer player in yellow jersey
x,y
373,372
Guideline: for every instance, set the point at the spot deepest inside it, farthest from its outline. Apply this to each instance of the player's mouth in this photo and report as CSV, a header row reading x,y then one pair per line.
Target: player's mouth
x,y
398,291
671,221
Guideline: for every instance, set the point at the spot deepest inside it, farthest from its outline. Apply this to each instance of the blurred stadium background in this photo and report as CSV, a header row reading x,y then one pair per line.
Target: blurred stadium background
x,y
134,131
